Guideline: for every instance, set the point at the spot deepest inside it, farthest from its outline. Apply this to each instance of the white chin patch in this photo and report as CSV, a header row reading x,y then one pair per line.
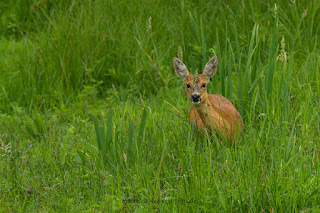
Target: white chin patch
x,y
196,102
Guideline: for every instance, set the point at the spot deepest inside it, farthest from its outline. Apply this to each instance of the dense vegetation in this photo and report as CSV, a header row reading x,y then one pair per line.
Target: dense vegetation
x,y
93,117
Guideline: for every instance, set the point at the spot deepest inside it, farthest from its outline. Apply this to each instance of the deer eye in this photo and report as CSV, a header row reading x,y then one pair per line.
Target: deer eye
x,y
203,85
188,86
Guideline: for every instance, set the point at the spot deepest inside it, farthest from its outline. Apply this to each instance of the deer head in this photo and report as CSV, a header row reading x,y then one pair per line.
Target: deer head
x,y
196,84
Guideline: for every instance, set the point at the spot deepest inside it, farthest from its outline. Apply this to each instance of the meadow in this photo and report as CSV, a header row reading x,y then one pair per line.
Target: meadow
x,y
93,117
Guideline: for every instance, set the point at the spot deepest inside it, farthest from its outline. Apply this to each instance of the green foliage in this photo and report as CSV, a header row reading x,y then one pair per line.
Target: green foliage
x,y
63,46
93,117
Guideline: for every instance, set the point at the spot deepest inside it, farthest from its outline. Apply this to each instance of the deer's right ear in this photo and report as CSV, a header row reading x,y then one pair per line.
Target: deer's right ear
x,y
180,69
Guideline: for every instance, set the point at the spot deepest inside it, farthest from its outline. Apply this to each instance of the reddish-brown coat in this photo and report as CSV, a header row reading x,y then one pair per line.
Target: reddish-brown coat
x,y
209,111
218,114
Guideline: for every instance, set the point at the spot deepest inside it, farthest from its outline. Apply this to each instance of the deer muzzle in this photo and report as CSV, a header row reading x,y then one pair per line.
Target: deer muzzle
x,y
195,98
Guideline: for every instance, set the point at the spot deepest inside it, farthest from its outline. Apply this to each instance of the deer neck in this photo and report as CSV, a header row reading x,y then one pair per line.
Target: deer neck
x,y
207,112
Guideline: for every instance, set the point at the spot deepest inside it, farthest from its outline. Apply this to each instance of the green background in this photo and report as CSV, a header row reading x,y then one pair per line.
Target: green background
x,y
93,117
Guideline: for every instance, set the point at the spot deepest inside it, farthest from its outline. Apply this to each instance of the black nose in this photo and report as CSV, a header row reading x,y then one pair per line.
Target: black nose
x,y
195,98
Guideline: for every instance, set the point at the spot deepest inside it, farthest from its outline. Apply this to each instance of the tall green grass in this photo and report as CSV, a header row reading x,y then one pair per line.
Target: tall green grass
x,y
93,117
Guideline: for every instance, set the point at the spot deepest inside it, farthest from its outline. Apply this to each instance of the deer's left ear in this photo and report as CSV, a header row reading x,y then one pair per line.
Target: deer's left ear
x,y
211,67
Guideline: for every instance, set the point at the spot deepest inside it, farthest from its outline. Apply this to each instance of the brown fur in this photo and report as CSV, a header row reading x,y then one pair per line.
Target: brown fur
x,y
217,114
214,112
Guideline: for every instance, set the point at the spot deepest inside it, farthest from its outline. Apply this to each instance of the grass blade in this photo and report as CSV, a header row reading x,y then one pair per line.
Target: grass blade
x,y
100,134
142,125
271,61
203,44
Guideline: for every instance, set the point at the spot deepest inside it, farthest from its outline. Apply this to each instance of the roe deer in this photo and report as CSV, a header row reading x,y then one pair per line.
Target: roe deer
x,y
209,111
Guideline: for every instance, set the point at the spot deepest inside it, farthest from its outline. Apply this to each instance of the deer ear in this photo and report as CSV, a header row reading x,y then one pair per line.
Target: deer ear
x,y
211,67
180,69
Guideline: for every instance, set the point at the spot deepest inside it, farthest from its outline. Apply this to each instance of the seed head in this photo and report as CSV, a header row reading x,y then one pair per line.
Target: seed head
x,y
283,43
304,13
283,54
180,53
275,10
149,25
